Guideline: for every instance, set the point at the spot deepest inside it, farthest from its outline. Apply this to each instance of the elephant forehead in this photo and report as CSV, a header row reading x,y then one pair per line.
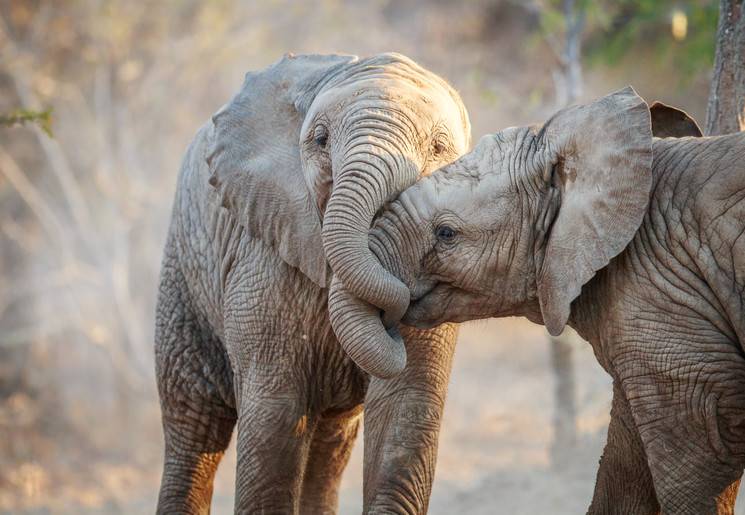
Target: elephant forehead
x,y
472,201
485,161
394,92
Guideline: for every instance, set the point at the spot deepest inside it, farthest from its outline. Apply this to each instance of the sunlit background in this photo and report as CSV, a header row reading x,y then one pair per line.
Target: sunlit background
x,y
85,196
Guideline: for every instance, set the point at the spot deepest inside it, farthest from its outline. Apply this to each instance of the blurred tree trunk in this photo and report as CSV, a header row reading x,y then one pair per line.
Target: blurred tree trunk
x,y
565,406
725,112
568,75
568,91
575,21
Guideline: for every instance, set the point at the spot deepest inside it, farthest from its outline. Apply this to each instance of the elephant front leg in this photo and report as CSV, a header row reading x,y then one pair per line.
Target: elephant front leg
x,y
624,482
274,434
402,424
196,399
686,397
329,454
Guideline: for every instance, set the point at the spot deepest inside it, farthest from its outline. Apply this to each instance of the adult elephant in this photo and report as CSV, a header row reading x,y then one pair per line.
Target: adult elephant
x,y
635,242
281,184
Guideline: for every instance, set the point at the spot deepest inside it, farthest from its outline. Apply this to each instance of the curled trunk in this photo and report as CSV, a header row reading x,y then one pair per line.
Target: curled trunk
x,y
357,324
367,179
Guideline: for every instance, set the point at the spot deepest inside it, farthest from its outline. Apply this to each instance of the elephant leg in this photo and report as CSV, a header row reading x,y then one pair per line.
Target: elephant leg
x,y
624,482
329,454
402,424
275,427
690,475
686,392
194,383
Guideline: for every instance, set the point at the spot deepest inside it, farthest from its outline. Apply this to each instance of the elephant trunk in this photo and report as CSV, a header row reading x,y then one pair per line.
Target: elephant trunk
x,y
357,324
367,179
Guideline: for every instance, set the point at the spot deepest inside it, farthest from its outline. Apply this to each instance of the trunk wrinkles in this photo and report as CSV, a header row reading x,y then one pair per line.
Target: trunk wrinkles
x,y
368,177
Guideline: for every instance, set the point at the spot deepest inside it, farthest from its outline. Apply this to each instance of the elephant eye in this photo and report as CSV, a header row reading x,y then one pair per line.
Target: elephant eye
x,y
440,144
438,148
445,234
320,136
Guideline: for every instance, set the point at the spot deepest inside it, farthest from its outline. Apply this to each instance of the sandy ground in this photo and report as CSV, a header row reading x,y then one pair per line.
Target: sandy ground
x,y
497,452
502,446
497,448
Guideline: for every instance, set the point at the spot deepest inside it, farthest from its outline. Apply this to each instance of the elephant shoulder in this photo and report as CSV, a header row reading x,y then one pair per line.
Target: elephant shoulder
x,y
204,232
719,199
192,187
195,203
713,176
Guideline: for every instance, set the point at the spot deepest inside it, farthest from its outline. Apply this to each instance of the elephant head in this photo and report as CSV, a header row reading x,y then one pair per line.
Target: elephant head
x,y
519,224
310,149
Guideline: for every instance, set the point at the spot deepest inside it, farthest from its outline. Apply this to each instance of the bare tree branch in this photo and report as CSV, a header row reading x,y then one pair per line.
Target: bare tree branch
x,y
46,215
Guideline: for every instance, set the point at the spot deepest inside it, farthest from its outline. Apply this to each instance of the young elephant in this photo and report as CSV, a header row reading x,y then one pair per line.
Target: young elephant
x,y
289,174
638,244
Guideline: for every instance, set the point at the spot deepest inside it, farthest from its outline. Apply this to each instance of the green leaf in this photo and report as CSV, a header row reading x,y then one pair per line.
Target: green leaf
x,y
22,116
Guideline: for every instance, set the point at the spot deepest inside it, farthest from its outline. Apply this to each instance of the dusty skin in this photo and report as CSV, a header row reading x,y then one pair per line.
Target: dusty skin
x,y
497,445
497,451
643,238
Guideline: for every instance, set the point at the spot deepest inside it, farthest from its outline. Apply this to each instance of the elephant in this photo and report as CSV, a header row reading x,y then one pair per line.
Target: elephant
x,y
671,122
637,243
274,200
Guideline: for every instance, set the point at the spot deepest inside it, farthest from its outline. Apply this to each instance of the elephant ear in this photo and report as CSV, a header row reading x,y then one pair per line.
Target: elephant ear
x,y
255,159
602,157
671,122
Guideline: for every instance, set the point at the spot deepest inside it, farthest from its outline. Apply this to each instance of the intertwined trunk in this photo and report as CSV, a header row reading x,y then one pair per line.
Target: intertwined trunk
x,y
362,290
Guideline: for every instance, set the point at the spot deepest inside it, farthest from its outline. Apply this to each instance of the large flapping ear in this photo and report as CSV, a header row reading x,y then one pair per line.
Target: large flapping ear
x,y
602,156
671,122
255,161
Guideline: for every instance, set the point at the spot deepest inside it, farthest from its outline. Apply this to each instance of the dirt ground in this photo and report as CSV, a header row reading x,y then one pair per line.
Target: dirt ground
x,y
505,447
497,449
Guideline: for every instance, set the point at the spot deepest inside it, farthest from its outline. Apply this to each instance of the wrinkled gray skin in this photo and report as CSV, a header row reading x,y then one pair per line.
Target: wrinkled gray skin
x,y
289,173
638,244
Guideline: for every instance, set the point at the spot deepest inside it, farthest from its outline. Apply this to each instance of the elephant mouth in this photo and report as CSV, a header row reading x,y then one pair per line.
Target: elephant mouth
x,y
426,308
443,302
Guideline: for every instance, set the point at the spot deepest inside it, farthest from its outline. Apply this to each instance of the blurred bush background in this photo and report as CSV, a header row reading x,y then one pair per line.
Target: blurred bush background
x,y
85,196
